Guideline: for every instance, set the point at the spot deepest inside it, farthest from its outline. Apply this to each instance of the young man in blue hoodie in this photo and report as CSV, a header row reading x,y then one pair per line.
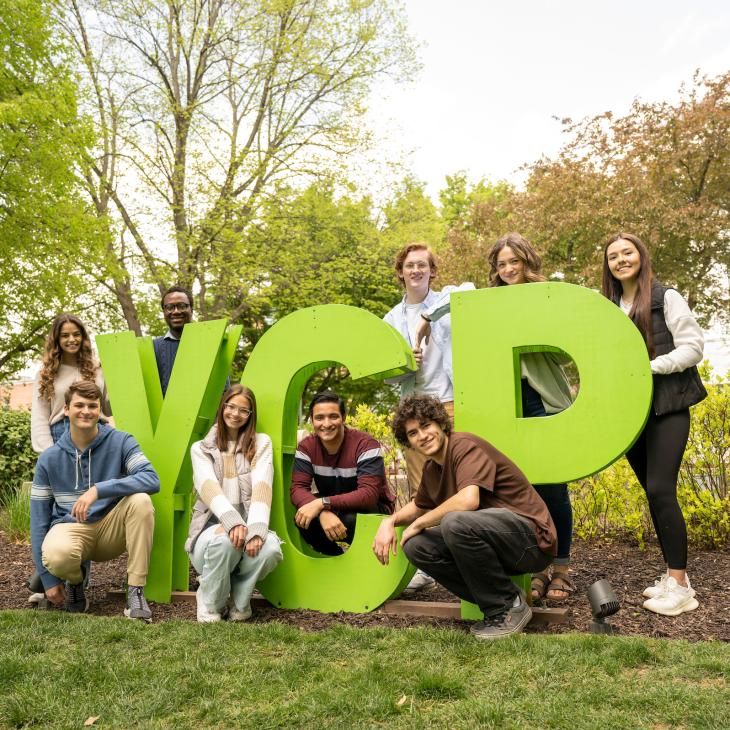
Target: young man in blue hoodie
x,y
90,501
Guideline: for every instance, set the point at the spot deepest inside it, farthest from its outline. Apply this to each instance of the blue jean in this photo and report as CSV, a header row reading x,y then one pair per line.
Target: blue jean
x,y
225,570
59,428
555,496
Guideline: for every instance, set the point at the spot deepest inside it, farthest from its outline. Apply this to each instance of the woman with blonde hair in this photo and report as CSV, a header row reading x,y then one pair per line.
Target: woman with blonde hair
x,y
229,541
68,357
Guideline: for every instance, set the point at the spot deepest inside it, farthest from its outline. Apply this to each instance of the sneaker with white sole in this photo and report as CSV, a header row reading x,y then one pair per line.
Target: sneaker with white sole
x,y
137,606
76,600
674,600
658,588
420,582
235,615
204,615
504,624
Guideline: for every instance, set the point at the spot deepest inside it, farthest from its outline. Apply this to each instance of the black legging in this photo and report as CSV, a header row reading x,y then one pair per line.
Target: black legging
x,y
655,458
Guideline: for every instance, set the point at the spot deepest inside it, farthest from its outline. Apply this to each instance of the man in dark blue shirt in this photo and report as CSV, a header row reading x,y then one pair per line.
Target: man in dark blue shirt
x,y
177,308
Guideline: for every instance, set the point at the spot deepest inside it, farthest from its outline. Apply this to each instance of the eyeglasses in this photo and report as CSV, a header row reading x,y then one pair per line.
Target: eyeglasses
x,y
420,266
177,307
235,409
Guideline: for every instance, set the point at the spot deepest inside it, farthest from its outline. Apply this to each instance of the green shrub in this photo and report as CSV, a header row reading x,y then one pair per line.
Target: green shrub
x,y
17,458
15,514
612,503
378,426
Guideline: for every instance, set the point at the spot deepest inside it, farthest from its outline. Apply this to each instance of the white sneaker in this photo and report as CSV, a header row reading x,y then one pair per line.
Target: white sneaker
x,y
204,615
674,600
235,615
420,581
658,588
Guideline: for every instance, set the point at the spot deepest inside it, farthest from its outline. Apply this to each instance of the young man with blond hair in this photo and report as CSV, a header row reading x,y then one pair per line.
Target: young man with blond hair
x,y
416,268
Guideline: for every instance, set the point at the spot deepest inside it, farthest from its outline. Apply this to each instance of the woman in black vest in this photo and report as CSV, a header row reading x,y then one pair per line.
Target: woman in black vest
x,y
675,342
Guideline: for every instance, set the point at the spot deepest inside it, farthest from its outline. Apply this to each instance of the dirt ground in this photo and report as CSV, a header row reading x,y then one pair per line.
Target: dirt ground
x,y
627,569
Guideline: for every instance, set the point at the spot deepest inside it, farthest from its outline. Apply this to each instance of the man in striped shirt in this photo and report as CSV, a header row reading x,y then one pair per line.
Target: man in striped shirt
x,y
338,473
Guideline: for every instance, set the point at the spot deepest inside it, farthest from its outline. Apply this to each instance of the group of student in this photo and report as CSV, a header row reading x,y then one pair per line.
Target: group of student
x,y
475,519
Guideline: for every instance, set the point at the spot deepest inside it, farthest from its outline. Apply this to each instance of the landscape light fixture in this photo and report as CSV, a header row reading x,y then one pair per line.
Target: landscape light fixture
x,y
604,603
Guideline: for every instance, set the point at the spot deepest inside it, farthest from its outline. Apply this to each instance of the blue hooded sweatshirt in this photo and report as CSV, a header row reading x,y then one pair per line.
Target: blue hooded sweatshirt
x,y
113,462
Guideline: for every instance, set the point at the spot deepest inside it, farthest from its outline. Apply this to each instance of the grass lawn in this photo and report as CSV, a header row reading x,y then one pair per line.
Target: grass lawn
x,y
58,670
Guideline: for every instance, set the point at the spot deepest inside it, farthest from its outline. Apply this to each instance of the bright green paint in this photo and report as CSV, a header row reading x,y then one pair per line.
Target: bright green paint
x,y
165,429
285,358
491,327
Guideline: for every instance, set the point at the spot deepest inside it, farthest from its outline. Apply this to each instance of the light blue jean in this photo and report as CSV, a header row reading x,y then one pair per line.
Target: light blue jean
x,y
226,571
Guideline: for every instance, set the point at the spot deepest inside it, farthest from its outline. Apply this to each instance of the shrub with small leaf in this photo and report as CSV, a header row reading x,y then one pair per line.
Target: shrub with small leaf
x,y
17,458
613,504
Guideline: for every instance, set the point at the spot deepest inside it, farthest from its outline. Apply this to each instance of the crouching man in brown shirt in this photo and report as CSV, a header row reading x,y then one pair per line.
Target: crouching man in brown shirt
x,y
475,519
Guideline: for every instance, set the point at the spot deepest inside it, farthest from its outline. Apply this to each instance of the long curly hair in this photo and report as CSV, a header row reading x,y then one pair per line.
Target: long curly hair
x,y
523,250
611,288
52,355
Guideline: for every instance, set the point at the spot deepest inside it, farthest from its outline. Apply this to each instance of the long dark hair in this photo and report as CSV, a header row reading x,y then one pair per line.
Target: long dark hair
x,y
246,442
611,288
52,355
524,251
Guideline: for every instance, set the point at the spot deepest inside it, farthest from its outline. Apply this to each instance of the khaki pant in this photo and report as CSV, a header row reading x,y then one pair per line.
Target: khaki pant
x,y
415,459
129,526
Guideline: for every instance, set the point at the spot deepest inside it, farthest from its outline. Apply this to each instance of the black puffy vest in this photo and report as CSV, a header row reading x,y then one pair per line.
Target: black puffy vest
x,y
676,391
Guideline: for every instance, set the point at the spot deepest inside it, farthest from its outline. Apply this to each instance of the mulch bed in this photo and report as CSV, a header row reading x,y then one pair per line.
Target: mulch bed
x,y
628,569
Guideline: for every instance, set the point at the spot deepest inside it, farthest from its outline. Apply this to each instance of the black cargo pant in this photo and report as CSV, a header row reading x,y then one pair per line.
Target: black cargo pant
x,y
473,553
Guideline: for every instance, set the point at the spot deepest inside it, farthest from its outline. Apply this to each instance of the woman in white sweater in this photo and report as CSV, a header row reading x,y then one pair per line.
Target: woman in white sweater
x,y
229,542
68,357
675,343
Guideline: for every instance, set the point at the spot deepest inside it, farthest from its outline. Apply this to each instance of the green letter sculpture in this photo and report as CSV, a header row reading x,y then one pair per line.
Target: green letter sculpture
x,y
165,429
285,358
492,327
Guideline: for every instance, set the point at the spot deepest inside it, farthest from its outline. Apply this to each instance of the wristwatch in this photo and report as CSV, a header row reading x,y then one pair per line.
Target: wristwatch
x,y
326,504
426,317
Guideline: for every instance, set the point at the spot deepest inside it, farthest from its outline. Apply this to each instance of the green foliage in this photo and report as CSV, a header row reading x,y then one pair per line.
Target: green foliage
x,y
17,458
43,226
378,426
411,216
312,247
612,503
182,674
704,478
15,514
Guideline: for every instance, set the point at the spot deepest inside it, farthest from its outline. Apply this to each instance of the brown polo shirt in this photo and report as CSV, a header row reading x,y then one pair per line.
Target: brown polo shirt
x,y
472,460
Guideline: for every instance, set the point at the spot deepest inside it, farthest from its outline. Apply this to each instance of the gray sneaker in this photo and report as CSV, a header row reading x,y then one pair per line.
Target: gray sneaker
x,y
137,606
76,600
504,624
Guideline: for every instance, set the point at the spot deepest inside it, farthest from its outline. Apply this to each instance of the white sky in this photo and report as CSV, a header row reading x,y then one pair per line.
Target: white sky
x,y
496,73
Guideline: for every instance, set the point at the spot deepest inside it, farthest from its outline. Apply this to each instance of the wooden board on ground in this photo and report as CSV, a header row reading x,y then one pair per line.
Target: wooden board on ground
x,y
436,609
